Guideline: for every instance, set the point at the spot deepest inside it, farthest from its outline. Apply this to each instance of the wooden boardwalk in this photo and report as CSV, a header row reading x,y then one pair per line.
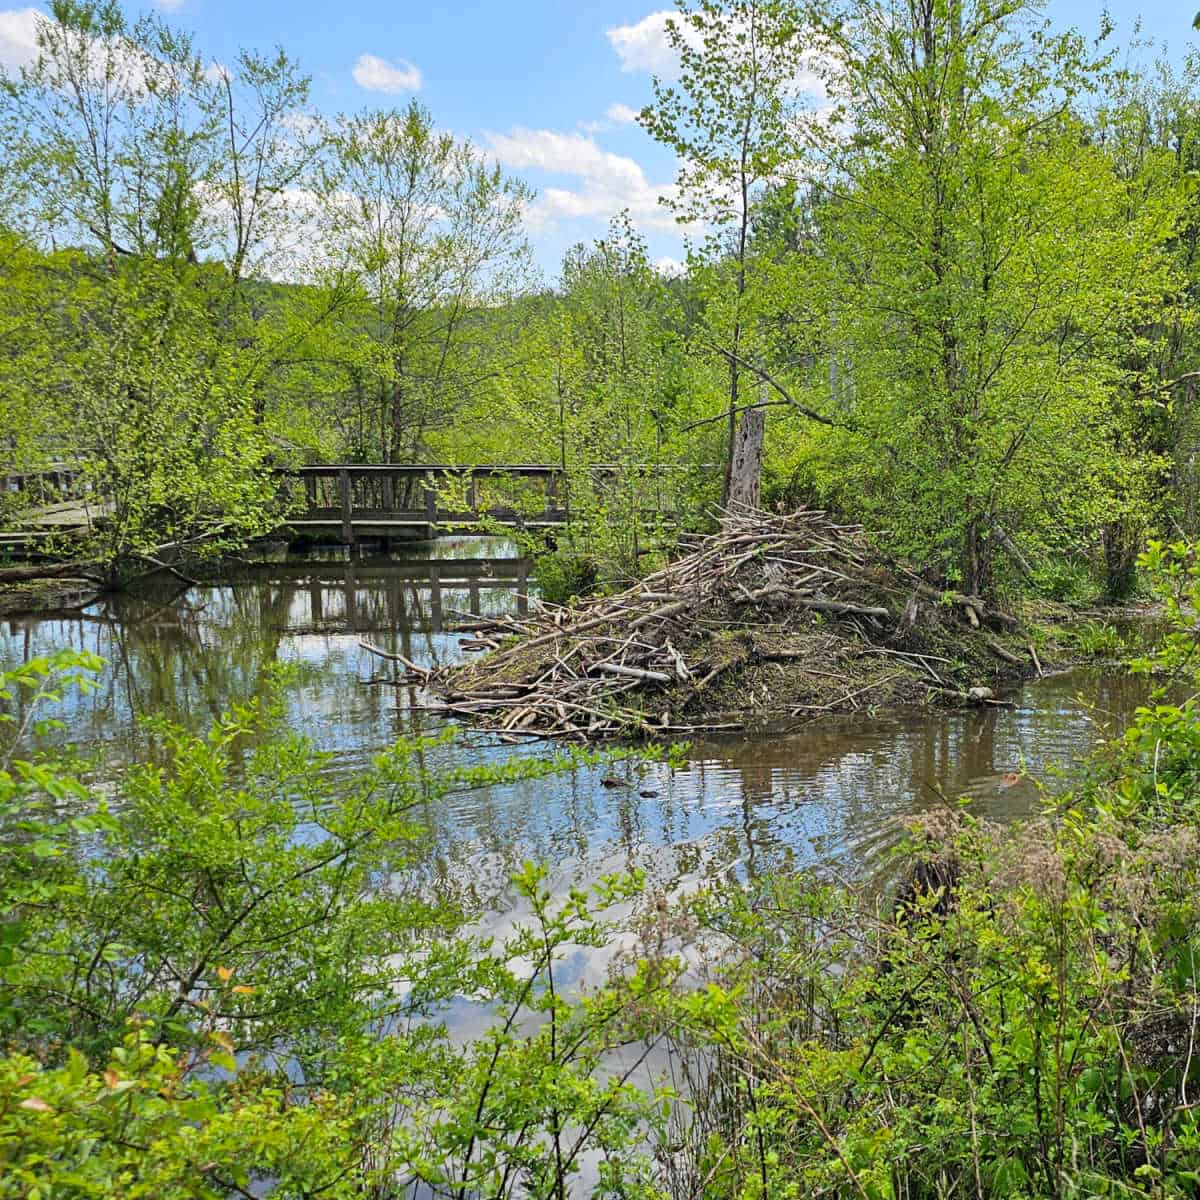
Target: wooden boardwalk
x,y
349,502
332,502
48,527
344,503
52,506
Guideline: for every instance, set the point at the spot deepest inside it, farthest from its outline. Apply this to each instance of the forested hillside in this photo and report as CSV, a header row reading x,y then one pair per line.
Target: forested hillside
x,y
956,298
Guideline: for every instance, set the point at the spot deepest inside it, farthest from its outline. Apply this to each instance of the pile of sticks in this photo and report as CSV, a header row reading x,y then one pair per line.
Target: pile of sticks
x,y
610,666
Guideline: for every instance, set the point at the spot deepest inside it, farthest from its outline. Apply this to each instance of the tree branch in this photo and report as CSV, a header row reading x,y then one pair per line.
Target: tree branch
x,y
721,416
770,380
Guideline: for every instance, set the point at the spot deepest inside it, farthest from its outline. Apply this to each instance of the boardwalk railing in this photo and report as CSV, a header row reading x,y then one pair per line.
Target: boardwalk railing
x,y
54,481
351,501
348,502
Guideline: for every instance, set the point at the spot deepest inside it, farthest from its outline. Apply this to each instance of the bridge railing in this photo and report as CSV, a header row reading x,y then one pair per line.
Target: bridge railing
x,y
356,495
366,500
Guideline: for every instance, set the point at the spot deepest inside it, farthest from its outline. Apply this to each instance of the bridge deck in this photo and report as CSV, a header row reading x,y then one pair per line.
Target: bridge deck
x,y
347,502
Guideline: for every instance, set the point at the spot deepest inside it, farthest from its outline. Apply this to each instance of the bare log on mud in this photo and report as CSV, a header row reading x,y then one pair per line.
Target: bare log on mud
x,y
774,616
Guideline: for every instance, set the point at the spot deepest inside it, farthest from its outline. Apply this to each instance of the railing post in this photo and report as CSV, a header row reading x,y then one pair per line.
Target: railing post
x,y
347,503
430,503
472,498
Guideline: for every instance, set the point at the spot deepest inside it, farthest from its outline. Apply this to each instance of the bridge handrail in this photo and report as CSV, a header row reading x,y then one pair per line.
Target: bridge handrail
x,y
535,469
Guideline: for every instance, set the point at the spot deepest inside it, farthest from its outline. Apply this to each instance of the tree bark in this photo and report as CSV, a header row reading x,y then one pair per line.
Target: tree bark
x,y
745,480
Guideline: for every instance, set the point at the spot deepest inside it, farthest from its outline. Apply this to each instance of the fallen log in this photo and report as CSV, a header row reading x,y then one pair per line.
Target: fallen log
x,y
1000,652
632,672
90,571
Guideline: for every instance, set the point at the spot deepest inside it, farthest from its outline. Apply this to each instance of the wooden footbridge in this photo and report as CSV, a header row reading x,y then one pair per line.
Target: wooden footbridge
x,y
332,502
346,503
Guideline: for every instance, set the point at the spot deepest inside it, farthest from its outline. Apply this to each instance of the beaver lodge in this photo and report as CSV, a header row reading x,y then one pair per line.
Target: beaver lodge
x,y
772,618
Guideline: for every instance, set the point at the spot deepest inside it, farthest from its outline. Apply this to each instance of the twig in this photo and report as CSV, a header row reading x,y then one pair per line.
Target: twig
x,y
412,667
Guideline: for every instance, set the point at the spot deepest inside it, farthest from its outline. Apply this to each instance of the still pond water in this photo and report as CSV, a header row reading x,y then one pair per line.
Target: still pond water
x,y
831,793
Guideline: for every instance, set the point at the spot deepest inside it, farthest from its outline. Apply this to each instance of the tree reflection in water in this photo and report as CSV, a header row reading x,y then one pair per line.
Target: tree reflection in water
x,y
828,791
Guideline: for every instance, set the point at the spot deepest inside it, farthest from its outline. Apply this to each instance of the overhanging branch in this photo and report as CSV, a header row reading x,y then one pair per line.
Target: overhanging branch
x,y
774,383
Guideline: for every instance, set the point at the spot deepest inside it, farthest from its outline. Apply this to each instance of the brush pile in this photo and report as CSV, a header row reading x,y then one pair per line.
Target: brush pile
x,y
771,617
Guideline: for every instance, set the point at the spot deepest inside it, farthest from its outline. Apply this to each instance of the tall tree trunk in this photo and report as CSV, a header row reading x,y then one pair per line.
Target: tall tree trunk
x,y
745,479
733,425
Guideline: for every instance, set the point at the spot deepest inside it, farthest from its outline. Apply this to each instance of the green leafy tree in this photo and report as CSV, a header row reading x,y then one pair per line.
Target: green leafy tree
x,y
177,188
431,233
970,279
731,118
601,385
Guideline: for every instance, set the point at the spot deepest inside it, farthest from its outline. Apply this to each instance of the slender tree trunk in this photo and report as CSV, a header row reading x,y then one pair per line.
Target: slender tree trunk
x,y
397,430
733,421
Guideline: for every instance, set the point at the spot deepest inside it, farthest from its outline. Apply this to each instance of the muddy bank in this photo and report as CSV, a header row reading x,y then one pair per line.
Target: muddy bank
x,y
773,618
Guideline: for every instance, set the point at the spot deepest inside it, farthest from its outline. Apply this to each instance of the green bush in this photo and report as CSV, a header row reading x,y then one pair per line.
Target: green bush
x,y
1019,1019
565,574
1069,581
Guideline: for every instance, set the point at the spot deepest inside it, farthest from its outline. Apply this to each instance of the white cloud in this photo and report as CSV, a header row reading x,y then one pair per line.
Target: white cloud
x,y
645,45
615,114
113,62
621,114
672,268
608,182
378,75
18,37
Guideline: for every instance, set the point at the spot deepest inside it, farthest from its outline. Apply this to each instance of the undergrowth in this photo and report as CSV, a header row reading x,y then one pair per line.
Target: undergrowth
x,y
236,982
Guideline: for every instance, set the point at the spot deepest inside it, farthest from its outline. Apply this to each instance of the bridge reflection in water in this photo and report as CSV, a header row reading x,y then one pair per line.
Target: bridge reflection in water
x,y
831,792
380,594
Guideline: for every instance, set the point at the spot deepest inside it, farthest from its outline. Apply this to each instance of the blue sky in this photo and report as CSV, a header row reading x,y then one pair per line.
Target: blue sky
x,y
547,85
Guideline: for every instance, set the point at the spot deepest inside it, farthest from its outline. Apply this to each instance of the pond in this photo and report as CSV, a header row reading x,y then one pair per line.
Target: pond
x,y
830,792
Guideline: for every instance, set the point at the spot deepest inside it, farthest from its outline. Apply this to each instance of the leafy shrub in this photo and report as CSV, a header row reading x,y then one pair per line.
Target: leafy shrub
x,y
565,574
1020,1019
1067,580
